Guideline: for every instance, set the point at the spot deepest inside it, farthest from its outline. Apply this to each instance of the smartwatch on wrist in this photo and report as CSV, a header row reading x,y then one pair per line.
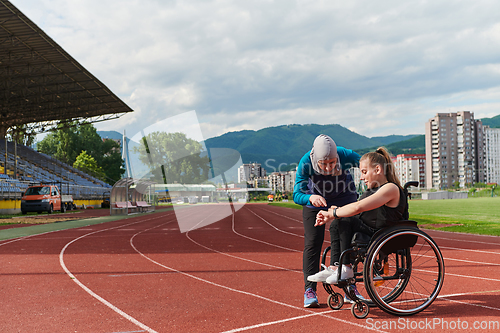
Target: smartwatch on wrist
x,y
335,213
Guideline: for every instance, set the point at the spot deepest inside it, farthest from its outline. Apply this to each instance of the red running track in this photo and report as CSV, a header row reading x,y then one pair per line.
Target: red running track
x,y
240,274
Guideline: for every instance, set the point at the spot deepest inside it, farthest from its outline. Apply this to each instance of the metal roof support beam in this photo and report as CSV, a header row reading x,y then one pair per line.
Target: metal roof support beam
x,y
40,82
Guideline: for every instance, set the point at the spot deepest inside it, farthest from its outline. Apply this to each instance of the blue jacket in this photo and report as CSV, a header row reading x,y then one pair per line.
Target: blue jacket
x,y
337,190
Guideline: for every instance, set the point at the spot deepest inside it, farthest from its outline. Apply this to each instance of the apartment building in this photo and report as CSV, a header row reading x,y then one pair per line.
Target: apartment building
x,y
454,148
491,154
282,181
411,167
247,172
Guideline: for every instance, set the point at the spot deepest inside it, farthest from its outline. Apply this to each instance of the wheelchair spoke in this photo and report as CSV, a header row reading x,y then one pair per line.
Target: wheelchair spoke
x,y
415,274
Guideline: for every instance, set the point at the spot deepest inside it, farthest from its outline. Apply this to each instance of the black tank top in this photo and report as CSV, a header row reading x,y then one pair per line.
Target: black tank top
x,y
383,216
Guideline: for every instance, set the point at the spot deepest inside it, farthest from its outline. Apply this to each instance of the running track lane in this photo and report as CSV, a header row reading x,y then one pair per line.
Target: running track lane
x,y
241,274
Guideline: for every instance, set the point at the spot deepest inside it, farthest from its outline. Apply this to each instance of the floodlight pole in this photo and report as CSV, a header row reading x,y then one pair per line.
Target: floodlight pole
x,y
6,154
15,159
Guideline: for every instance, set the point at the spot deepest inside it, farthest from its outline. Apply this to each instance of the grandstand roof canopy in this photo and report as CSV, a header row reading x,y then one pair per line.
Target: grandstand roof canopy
x,y
41,83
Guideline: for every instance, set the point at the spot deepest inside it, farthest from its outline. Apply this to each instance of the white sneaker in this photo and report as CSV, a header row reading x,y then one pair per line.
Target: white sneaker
x,y
322,275
345,274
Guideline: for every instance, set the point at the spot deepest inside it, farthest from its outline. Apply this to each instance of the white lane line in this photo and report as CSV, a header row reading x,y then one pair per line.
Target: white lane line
x,y
479,263
497,238
290,218
274,227
261,241
471,277
26,237
237,290
446,297
247,328
287,217
240,258
89,291
441,247
468,250
236,257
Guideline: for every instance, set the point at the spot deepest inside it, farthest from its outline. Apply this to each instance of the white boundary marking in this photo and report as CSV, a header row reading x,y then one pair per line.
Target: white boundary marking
x,y
468,250
89,291
243,292
260,241
275,322
444,297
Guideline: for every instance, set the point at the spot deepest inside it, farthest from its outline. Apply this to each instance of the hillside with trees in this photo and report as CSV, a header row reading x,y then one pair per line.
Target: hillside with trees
x,y
280,148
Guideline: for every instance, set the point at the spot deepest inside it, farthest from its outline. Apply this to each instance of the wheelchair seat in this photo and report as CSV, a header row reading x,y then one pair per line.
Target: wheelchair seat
x,y
360,239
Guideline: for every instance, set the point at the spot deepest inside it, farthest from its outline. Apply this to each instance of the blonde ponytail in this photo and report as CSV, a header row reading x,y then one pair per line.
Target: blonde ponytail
x,y
382,157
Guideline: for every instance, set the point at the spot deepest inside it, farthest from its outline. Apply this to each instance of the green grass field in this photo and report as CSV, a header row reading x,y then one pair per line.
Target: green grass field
x,y
473,215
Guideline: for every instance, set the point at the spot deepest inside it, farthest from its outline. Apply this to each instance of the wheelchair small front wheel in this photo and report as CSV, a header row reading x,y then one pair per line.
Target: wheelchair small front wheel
x,y
335,301
360,309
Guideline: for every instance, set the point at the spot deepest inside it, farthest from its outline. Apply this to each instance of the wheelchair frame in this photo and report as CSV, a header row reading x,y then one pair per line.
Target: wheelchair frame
x,y
402,273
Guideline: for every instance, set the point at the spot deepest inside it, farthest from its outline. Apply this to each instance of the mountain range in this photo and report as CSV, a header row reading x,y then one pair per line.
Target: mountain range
x,y
492,122
281,147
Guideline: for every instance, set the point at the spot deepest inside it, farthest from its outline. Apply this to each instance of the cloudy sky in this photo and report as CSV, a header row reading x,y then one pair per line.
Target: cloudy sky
x,y
376,67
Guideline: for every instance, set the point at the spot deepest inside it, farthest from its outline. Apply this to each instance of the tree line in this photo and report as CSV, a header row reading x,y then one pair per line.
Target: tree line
x,y
170,157
79,145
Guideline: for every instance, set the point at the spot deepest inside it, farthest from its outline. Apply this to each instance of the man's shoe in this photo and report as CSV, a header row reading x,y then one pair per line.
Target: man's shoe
x,y
322,275
310,299
346,273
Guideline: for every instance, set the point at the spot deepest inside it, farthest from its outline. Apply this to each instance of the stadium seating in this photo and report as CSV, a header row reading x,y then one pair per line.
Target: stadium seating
x,y
34,167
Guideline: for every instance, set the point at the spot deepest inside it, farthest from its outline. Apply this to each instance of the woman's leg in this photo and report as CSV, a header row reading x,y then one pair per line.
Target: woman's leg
x,y
334,243
346,227
313,242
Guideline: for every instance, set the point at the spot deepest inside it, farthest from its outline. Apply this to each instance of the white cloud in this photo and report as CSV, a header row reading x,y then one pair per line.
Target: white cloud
x,y
380,67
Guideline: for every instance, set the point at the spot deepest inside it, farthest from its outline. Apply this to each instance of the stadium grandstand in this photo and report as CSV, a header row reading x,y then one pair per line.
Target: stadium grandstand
x,y
41,87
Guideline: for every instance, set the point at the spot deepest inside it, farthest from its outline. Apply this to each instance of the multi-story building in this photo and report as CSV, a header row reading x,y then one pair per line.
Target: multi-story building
x,y
491,154
261,182
247,172
411,167
282,181
454,150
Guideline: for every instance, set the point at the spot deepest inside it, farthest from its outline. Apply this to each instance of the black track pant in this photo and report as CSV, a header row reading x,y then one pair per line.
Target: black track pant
x,y
313,242
341,232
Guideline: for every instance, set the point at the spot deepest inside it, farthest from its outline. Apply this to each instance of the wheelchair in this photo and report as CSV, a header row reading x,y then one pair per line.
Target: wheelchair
x,y
399,269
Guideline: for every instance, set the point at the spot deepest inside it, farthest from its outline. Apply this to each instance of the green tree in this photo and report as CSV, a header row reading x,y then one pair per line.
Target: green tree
x,y
68,147
172,157
91,142
88,164
67,141
21,134
112,162
48,145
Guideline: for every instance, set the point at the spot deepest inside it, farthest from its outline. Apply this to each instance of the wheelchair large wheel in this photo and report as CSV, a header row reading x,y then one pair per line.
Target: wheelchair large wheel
x,y
404,271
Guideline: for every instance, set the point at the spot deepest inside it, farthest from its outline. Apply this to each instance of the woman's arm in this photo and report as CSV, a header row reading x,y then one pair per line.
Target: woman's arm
x,y
386,195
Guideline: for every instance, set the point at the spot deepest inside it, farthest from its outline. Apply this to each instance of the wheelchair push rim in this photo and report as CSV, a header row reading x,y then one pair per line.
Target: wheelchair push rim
x,y
416,276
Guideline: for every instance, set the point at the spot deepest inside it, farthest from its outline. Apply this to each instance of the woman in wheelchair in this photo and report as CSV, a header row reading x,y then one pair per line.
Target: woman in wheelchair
x,y
402,266
383,203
